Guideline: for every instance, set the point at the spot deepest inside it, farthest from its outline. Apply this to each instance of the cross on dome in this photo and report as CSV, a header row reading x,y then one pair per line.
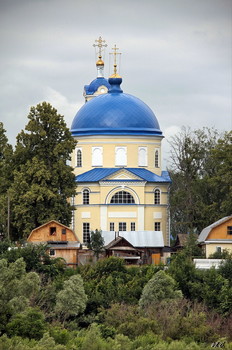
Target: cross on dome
x,y
115,53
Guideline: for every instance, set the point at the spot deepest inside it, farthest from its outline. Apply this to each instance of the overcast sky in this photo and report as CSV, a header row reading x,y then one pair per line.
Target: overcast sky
x,y
176,57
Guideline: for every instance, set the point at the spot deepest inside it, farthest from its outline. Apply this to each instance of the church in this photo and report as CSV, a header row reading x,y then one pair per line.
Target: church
x,y
121,187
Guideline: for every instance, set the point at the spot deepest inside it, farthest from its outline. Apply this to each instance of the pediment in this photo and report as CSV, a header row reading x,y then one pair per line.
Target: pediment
x,y
123,175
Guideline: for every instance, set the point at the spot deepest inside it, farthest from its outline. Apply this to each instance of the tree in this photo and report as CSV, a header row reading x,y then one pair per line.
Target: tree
x,y
6,155
16,289
201,179
158,288
71,300
96,242
42,178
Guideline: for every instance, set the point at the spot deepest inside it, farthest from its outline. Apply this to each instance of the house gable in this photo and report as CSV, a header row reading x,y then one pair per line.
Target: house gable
x,y
52,231
221,231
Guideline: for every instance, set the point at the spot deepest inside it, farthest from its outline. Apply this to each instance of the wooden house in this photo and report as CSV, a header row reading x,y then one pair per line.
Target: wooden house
x,y
61,240
121,248
217,236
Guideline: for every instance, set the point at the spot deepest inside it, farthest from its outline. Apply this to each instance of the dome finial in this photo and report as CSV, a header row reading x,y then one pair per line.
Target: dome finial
x,y
115,53
100,63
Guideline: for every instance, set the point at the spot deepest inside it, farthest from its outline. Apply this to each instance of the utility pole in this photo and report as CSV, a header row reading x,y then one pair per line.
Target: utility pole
x,y
8,215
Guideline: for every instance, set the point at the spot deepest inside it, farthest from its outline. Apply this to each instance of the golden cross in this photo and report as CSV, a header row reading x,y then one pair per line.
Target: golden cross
x,y
100,44
115,53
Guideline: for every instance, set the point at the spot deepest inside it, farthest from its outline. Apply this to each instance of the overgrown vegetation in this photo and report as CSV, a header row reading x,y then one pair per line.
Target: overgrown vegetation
x,y
109,305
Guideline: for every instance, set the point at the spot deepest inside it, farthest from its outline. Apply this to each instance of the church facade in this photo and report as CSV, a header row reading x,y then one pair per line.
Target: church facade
x,y
121,187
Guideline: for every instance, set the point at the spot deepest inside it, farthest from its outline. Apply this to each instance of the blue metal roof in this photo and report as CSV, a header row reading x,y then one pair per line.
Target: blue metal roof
x,y
98,174
115,113
94,85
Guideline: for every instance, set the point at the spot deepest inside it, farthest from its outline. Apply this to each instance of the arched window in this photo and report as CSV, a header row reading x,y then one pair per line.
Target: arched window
x,y
85,197
156,158
122,197
97,156
142,156
157,196
79,158
120,156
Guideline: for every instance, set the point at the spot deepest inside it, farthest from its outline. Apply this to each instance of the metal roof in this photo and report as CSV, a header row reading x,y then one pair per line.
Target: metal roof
x,y
138,239
98,174
115,113
205,232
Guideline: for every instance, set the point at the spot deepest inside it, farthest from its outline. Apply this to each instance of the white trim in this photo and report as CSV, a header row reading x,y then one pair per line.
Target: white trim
x,y
103,217
141,218
121,188
85,215
122,214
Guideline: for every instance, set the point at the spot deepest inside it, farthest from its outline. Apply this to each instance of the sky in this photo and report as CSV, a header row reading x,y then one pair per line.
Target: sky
x,y
176,57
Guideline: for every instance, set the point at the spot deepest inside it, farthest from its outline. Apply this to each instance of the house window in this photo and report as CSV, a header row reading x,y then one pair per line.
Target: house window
x,y
86,232
122,197
63,231
120,156
111,226
52,231
218,249
85,196
156,158
122,226
157,196
157,226
142,156
229,230
97,159
79,158
132,226
52,252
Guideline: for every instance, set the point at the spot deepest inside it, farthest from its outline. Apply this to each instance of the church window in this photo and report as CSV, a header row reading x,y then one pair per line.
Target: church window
x,y
229,230
120,156
122,226
85,196
79,158
157,196
97,158
86,232
157,226
156,158
122,197
142,156
132,226
111,226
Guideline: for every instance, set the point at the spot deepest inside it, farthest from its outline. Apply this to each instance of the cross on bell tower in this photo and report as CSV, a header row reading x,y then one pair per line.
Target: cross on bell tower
x,y
100,63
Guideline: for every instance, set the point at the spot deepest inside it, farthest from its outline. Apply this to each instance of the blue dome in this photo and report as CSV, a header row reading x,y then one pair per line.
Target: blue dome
x,y
115,113
94,85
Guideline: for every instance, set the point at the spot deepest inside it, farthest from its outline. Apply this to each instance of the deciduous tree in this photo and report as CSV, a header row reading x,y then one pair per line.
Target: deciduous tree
x,y
43,181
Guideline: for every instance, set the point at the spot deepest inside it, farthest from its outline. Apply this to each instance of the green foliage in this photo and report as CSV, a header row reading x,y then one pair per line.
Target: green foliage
x,y
201,171
28,324
42,179
6,155
17,288
71,301
160,287
96,242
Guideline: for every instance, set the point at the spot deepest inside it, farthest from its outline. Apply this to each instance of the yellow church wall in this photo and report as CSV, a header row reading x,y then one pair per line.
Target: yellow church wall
x,y
108,146
220,231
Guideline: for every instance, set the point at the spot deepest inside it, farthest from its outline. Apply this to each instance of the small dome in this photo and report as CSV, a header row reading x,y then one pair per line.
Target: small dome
x,y
95,84
115,113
